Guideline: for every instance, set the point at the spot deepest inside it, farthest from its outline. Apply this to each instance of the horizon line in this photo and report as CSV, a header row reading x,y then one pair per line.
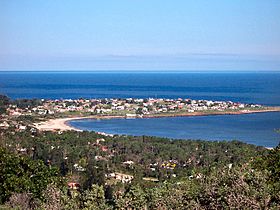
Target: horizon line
x,y
138,71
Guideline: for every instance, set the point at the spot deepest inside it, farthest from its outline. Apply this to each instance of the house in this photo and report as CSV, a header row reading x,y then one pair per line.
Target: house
x,y
199,176
171,164
22,150
104,148
151,179
4,125
99,140
98,158
129,162
241,106
78,167
22,127
14,113
130,115
124,178
73,185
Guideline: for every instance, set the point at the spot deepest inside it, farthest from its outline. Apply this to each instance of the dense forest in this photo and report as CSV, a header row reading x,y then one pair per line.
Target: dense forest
x,y
86,170
36,167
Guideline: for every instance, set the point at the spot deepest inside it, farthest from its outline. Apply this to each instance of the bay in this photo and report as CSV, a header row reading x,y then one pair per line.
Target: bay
x,y
258,129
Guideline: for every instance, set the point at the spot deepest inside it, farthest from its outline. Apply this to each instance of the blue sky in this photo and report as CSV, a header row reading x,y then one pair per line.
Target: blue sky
x,y
140,35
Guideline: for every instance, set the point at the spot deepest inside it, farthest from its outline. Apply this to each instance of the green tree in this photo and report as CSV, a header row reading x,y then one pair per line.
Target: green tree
x,y
270,164
134,198
21,174
94,198
4,101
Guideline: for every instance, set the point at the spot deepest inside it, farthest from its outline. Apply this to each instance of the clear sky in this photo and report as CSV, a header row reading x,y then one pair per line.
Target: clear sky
x,y
139,35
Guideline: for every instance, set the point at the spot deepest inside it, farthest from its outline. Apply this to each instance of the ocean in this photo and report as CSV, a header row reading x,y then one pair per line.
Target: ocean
x,y
260,88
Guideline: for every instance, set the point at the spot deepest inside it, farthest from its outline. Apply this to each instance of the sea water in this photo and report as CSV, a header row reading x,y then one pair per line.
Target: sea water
x,y
260,88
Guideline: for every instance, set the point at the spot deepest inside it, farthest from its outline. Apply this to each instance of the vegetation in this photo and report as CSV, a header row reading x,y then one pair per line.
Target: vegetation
x,y
206,175
86,170
21,174
4,102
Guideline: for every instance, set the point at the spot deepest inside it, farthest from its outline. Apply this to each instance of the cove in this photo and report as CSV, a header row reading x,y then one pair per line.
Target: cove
x,y
258,129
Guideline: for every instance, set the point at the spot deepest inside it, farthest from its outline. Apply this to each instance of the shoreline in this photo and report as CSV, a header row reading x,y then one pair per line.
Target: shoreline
x,y
62,124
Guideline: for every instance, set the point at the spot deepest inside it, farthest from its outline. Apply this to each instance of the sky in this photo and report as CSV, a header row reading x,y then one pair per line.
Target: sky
x,y
190,35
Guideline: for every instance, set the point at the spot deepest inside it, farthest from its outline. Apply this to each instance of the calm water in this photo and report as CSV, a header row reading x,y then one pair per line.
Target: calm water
x,y
255,129
261,88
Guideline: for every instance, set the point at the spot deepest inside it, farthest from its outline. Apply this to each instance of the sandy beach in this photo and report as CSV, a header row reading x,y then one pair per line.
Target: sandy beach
x,y
55,124
62,125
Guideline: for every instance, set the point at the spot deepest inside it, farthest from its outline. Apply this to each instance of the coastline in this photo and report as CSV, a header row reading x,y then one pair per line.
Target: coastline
x,y
62,124
55,125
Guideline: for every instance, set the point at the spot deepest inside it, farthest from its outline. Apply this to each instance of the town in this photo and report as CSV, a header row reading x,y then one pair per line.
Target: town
x,y
127,107
40,110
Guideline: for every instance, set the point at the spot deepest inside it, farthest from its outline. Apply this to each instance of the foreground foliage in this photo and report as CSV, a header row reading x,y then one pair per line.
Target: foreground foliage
x,y
21,174
239,188
34,169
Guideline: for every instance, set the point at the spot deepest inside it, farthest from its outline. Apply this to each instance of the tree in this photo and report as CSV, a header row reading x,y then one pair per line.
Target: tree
x,y
21,174
94,198
270,164
134,198
24,201
139,110
4,101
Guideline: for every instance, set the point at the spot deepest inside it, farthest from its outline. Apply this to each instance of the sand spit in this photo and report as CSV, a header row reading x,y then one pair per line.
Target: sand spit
x,y
62,123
